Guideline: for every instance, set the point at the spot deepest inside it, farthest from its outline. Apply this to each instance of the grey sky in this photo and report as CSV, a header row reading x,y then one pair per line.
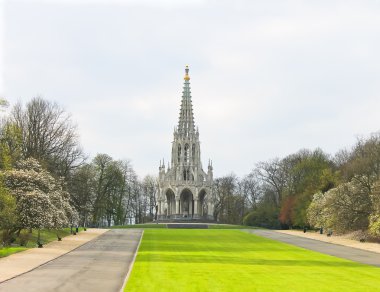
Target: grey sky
x,y
268,77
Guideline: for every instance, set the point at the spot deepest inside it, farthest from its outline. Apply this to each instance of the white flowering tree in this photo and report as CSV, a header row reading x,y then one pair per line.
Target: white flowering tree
x,y
40,199
59,217
36,211
374,219
317,212
344,208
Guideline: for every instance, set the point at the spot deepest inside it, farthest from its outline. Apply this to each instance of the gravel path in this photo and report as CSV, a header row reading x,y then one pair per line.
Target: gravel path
x,y
22,262
99,265
336,239
350,253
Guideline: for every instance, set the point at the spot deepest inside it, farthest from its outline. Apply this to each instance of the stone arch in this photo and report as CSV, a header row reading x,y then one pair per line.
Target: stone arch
x,y
187,203
202,205
170,201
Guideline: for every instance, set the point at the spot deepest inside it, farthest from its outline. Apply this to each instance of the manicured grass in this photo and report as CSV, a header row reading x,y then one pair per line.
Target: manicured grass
x,y
164,225
6,251
46,237
232,260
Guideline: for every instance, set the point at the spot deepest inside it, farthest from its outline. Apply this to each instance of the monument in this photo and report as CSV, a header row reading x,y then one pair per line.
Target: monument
x,y
184,188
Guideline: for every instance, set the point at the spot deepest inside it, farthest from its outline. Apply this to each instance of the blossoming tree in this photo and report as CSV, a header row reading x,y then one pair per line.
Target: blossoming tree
x,y
41,201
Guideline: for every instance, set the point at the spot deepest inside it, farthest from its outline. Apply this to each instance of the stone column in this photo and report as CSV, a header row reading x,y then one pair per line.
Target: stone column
x,y
196,207
177,206
196,216
159,208
190,208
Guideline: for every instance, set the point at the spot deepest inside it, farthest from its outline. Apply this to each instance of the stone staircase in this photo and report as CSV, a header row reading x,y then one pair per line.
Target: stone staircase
x,y
184,220
187,225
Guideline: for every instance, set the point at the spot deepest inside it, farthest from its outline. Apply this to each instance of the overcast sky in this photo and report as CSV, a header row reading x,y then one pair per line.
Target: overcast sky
x,y
268,77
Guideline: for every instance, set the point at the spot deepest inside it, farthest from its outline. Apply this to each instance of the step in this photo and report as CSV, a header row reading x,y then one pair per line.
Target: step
x,y
187,226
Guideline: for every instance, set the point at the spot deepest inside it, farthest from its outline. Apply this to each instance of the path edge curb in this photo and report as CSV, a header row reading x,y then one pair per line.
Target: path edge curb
x,y
131,264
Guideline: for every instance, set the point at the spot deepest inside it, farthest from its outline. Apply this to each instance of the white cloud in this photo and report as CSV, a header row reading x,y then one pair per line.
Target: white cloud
x,y
268,78
167,4
2,24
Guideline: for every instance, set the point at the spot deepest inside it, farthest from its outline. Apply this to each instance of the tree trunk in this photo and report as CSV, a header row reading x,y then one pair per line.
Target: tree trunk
x,y
39,239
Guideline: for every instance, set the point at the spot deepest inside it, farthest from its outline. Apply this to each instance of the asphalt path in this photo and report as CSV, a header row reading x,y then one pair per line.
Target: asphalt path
x,y
99,265
350,253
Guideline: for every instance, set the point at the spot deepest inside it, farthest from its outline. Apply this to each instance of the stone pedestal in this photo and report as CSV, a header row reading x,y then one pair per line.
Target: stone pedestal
x,y
196,216
177,207
161,217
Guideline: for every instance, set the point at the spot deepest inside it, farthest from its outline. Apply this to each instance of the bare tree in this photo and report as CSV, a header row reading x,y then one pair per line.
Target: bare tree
x,y
82,191
249,188
229,206
149,189
272,173
48,135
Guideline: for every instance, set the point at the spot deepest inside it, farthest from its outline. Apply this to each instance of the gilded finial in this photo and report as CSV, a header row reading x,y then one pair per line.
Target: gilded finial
x,y
187,77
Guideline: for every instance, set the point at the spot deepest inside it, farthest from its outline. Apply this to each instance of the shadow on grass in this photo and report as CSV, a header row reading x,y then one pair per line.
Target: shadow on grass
x,y
199,259
231,241
229,247
184,247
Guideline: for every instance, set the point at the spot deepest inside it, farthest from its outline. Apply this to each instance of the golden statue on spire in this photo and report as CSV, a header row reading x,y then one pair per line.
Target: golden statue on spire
x,y
187,77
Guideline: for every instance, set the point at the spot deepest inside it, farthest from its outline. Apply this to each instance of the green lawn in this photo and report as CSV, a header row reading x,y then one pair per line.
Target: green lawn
x,y
46,237
6,251
232,260
164,225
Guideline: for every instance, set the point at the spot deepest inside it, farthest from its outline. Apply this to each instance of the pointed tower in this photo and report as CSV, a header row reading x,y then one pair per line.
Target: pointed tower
x,y
184,190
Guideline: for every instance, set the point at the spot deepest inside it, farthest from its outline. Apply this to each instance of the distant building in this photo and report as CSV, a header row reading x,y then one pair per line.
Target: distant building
x,y
184,188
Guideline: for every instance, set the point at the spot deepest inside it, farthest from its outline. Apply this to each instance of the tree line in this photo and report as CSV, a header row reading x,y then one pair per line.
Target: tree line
x,y
108,192
46,180
309,188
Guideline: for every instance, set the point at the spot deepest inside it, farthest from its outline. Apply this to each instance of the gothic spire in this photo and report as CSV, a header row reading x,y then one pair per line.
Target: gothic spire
x,y
186,117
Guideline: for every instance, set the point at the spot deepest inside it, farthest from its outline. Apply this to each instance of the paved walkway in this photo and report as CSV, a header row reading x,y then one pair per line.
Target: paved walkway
x,y
25,261
336,239
350,253
100,265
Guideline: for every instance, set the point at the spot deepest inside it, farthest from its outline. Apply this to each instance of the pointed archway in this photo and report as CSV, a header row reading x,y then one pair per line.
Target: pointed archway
x,y
170,203
186,203
202,206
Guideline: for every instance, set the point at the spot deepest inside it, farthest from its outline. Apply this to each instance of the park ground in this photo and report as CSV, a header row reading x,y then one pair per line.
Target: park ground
x,y
20,263
345,240
232,260
217,259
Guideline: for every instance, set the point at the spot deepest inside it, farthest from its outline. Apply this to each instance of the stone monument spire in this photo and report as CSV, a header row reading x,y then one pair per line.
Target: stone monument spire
x,y
186,117
184,190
